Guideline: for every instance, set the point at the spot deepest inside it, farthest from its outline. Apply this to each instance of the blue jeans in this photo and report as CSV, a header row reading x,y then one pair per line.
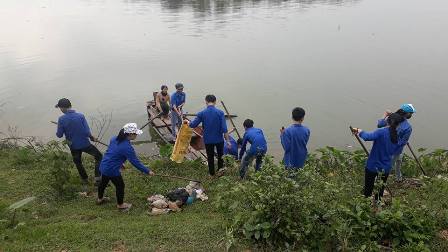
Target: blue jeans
x,y
176,120
396,165
248,158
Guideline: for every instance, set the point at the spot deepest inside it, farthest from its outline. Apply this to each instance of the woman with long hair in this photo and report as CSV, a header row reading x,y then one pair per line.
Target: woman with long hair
x,y
119,150
385,144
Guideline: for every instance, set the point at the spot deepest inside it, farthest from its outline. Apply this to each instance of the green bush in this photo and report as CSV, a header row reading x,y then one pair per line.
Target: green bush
x,y
309,210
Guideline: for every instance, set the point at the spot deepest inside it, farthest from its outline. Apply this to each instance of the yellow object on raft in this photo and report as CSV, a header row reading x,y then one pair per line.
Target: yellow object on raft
x,y
182,143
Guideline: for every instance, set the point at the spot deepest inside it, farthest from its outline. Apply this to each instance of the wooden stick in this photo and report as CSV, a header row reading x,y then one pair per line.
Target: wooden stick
x,y
359,140
230,118
227,116
150,121
97,141
177,177
416,159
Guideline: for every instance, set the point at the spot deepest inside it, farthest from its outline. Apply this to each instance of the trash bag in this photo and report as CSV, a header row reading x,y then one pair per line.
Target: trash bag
x,y
155,198
160,204
182,142
178,194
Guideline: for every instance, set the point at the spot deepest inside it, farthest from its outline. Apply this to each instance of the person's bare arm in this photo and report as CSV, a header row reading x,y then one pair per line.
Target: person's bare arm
x,y
158,102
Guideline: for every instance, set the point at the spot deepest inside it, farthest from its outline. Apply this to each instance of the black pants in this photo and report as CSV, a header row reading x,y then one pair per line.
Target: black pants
x,y
210,149
91,150
369,183
119,187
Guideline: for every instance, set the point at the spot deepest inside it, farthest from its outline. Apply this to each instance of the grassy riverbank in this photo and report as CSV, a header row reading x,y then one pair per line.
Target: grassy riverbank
x,y
64,220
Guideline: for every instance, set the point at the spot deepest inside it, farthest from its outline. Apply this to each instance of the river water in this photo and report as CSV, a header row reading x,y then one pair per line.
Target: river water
x,y
344,61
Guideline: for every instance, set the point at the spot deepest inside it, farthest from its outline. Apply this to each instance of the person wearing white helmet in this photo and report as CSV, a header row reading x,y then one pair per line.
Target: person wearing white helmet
x,y
404,133
119,150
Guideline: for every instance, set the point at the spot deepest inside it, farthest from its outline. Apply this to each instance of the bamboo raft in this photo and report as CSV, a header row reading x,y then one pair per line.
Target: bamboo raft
x,y
162,127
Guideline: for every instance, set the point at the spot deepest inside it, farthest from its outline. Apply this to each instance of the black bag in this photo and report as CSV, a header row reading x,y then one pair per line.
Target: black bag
x,y
178,194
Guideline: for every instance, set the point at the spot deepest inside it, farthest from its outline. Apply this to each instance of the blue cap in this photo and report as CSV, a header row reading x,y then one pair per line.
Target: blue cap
x,y
408,108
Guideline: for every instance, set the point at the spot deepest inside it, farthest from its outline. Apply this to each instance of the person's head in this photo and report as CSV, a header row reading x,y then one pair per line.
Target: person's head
x,y
164,89
210,99
298,114
64,104
130,131
248,123
179,87
393,121
406,110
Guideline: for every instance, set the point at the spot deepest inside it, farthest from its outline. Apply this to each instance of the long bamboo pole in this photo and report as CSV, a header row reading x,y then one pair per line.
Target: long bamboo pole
x,y
416,159
231,120
359,140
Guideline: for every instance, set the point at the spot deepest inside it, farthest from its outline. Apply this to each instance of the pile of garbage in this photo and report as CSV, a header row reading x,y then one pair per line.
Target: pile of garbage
x,y
174,200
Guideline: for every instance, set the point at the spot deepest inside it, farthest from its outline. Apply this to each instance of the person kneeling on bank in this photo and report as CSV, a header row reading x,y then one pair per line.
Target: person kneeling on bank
x,y
120,150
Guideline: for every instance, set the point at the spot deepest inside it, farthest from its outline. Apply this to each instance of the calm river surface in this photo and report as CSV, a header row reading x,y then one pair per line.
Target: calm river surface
x,y
345,62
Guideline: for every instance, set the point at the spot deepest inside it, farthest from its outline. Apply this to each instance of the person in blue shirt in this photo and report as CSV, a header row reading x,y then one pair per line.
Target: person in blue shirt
x,y
258,147
385,145
177,102
214,128
77,133
119,150
404,134
231,147
294,140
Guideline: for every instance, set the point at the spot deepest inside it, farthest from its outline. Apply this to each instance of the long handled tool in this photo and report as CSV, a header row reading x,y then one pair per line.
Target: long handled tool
x,y
177,177
416,159
97,141
359,140
230,118
150,121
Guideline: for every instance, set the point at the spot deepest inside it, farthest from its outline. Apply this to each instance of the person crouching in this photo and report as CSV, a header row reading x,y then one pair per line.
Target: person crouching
x,y
119,150
258,147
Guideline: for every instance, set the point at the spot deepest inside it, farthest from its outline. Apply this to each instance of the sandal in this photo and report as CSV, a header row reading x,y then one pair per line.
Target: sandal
x,y
102,201
125,208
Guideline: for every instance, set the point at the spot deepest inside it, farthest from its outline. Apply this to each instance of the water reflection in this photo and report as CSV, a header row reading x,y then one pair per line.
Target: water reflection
x,y
216,7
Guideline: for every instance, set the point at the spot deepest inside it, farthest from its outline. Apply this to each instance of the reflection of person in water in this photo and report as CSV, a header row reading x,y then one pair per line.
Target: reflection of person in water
x,y
163,101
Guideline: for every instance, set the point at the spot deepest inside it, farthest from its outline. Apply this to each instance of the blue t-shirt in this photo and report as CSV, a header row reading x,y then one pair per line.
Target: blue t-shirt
x,y
255,137
404,131
380,158
213,123
177,99
75,128
116,155
233,150
294,140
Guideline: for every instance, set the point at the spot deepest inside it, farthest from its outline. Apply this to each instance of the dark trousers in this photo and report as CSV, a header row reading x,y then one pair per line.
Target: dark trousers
x,y
119,187
248,158
91,150
210,149
369,183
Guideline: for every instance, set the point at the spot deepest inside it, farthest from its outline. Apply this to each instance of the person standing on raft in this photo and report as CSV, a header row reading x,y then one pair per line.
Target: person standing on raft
x,y
177,102
77,132
385,145
119,150
215,127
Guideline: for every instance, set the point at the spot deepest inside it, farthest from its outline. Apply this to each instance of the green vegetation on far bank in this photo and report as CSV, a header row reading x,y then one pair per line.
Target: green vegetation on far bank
x,y
317,209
